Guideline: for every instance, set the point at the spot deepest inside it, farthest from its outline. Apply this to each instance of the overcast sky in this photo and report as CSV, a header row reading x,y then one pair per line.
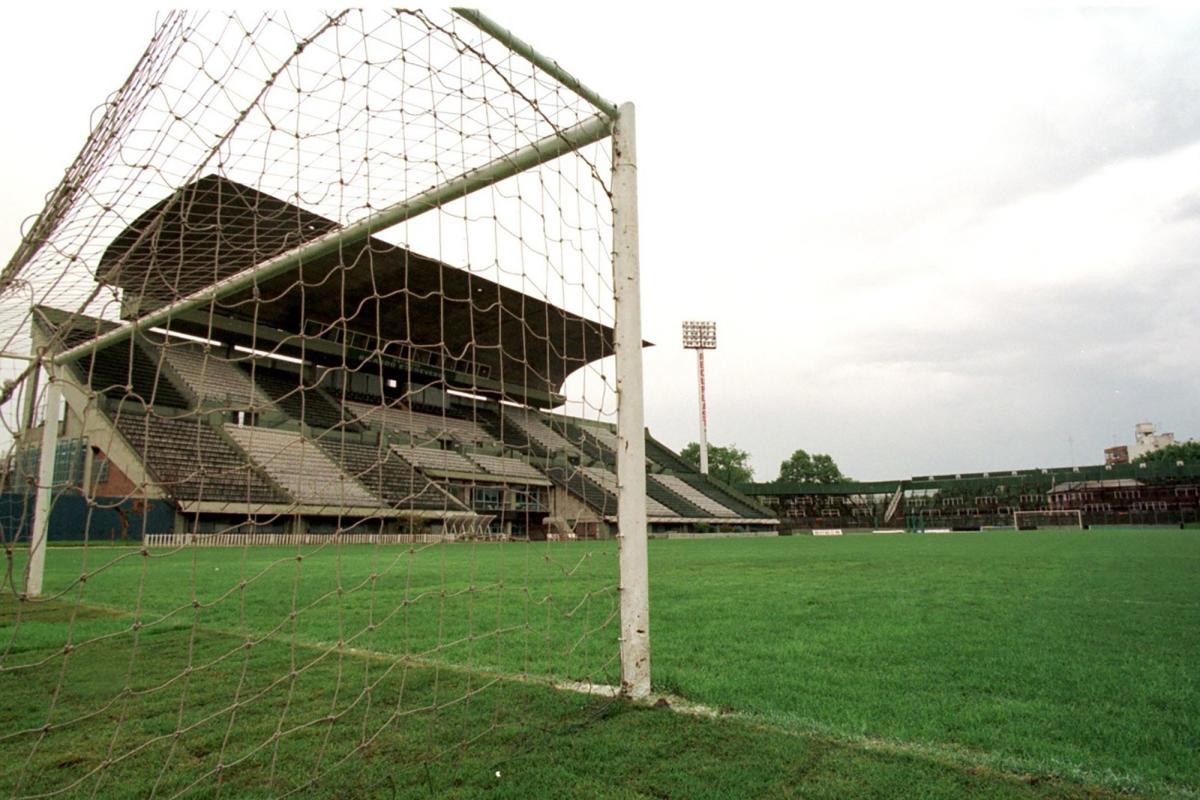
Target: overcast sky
x,y
933,241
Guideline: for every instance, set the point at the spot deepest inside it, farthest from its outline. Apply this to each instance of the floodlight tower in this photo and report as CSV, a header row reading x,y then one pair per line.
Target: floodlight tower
x,y
701,336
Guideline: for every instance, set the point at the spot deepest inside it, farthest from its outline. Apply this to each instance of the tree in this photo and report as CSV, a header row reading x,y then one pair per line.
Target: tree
x,y
1180,451
825,469
728,464
803,468
797,469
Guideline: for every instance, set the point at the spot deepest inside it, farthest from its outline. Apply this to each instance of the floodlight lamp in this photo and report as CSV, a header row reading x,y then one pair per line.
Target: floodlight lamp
x,y
699,335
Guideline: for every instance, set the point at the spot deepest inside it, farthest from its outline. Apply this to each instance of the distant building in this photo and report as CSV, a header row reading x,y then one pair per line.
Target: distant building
x,y
1147,441
1116,455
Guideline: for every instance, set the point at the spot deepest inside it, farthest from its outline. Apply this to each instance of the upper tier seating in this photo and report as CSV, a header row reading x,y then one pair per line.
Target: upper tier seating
x,y
214,379
509,468
192,462
121,371
302,468
299,400
416,423
606,437
537,430
591,446
429,459
693,495
503,429
124,371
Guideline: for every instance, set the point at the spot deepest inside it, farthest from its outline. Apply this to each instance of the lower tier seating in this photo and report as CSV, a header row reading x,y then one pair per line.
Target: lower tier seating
x,y
301,467
387,475
192,462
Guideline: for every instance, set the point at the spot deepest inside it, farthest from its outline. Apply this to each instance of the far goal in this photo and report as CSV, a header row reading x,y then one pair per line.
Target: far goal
x,y
1061,518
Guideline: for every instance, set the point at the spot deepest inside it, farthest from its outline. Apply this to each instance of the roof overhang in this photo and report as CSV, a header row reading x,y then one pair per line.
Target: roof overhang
x,y
474,333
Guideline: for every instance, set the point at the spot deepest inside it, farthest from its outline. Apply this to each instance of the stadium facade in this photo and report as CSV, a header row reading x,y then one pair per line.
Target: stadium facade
x,y
1105,494
373,391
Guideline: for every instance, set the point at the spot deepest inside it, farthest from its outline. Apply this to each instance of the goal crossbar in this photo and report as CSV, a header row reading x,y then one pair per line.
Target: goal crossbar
x,y
547,65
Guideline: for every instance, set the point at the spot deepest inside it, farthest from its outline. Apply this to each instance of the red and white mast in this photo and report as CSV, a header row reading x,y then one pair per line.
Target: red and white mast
x,y
701,336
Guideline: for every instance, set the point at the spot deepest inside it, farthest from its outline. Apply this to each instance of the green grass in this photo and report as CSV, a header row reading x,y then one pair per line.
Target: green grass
x,y
1069,653
998,664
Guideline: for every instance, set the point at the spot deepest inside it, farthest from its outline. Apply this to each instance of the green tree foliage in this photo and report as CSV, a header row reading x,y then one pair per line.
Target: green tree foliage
x,y
728,464
825,469
1182,451
803,468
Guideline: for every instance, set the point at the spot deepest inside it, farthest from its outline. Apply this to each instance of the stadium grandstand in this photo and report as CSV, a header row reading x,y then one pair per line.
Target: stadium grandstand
x,y
309,404
1106,494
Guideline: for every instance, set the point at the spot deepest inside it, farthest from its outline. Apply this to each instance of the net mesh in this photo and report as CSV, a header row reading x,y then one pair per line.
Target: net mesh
x,y
339,522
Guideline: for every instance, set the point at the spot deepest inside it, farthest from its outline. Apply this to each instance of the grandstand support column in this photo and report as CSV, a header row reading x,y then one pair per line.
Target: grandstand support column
x,y
631,428
31,390
45,488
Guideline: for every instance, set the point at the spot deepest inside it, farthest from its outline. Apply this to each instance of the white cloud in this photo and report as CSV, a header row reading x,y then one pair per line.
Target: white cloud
x,y
935,240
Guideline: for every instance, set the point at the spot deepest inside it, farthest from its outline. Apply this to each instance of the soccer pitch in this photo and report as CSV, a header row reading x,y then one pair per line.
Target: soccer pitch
x,y
1040,663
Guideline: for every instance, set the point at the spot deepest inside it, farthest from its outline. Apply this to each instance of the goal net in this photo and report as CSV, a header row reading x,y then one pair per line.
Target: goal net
x,y
317,461
1061,518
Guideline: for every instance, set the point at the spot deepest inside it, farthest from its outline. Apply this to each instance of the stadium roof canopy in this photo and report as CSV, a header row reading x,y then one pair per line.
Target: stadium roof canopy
x,y
474,333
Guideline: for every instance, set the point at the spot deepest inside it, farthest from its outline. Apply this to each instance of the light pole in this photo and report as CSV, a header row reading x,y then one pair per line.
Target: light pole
x,y
701,336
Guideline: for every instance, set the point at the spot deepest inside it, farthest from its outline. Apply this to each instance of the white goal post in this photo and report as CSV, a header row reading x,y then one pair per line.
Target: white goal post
x,y
1059,518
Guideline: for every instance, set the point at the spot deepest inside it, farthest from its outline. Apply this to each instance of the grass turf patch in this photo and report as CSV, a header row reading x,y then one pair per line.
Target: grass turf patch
x,y
278,719
1070,654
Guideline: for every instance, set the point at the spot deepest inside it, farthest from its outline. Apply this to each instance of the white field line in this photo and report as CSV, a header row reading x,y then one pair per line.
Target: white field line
x,y
781,723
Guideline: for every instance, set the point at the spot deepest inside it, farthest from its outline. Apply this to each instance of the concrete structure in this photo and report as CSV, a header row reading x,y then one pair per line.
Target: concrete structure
x,y
1146,440
347,425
